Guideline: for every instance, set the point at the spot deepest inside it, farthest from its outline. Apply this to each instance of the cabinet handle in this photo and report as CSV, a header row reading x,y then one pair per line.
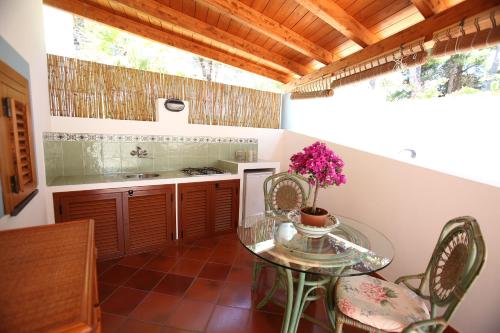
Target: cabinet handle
x,y
130,193
216,185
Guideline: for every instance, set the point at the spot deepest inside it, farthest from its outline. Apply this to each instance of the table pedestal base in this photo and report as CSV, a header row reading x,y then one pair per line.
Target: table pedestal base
x,y
301,291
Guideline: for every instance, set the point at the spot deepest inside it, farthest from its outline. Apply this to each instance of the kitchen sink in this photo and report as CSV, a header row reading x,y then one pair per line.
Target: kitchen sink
x,y
141,175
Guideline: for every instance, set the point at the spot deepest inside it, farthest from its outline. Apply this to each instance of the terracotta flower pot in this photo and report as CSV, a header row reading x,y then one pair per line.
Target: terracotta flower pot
x,y
317,220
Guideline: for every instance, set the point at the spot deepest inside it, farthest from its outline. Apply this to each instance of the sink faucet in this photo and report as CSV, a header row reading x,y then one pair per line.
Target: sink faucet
x,y
139,152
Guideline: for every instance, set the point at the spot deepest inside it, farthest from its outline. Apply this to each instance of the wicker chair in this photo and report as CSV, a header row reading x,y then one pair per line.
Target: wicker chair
x,y
283,192
380,306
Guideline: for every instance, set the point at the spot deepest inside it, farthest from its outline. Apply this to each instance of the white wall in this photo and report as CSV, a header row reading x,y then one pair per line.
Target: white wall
x,y
457,135
21,25
410,204
170,123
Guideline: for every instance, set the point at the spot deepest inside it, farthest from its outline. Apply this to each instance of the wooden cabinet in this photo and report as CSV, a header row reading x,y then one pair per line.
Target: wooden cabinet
x,y
194,210
149,218
104,208
127,220
208,208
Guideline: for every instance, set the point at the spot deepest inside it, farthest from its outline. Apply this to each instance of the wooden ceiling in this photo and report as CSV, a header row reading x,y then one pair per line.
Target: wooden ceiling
x,y
281,39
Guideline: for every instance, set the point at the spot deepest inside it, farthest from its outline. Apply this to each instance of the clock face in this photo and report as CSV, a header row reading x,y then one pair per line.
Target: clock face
x,y
174,105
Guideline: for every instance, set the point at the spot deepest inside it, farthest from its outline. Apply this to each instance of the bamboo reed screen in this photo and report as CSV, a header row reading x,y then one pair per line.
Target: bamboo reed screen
x,y
87,89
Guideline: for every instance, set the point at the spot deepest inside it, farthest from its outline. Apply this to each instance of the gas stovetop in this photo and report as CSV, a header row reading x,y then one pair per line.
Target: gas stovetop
x,y
205,171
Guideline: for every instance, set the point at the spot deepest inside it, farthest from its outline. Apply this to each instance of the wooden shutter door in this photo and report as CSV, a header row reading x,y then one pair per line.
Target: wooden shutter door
x,y
17,163
225,202
148,216
105,209
194,210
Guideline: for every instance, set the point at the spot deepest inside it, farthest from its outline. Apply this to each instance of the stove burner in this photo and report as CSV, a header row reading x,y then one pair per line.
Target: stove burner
x,y
202,171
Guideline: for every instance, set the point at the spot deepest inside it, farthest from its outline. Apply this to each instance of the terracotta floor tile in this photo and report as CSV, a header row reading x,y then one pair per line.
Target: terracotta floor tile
x,y
236,295
210,294
117,274
215,271
198,253
123,301
105,290
223,257
245,259
102,266
136,261
205,290
174,330
173,284
308,327
161,263
144,279
240,274
187,267
155,307
263,322
206,242
228,247
134,326
191,315
228,320
111,322
174,251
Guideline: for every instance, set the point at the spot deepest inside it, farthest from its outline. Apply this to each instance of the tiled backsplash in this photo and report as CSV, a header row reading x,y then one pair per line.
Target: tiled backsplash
x,y
70,154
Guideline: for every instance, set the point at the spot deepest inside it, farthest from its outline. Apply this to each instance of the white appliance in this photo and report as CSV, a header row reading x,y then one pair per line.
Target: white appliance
x,y
253,191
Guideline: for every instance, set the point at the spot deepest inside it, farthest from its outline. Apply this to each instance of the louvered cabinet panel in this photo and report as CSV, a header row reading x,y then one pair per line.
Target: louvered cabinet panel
x,y
148,219
105,209
225,203
194,210
26,180
17,163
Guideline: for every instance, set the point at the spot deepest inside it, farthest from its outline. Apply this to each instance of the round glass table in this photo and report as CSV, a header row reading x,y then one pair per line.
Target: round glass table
x,y
307,265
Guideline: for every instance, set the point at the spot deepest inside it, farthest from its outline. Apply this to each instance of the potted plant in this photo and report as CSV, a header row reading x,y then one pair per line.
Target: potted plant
x,y
323,168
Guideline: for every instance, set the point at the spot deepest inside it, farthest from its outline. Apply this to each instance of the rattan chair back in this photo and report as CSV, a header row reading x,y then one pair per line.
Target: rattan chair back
x,y
284,192
455,263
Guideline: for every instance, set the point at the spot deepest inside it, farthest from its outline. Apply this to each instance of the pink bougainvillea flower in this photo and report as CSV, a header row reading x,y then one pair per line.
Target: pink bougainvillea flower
x,y
320,165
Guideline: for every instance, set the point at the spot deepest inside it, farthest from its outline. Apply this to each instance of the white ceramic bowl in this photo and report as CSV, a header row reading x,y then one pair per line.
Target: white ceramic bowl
x,y
312,231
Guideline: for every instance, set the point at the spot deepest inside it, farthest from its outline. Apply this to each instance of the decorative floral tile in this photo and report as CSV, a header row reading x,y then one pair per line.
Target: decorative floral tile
x,y
56,136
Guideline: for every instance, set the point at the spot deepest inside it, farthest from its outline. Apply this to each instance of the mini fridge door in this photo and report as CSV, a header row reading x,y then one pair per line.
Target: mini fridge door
x,y
253,192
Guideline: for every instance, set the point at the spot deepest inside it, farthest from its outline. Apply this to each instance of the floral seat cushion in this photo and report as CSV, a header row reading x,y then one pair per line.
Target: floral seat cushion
x,y
380,304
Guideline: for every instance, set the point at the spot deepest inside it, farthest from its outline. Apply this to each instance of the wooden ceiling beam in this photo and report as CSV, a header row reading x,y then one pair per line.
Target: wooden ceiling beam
x,y
340,20
168,14
425,29
98,14
256,20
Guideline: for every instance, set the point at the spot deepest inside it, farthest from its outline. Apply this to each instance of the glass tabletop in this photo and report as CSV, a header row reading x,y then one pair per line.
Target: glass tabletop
x,y
352,248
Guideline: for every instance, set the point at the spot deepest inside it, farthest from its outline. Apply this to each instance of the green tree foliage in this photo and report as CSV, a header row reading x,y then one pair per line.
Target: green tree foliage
x,y
463,73
97,42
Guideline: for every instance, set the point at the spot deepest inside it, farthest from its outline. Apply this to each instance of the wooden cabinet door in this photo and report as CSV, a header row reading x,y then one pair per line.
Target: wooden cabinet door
x,y
225,205
194,210
149,218
105,209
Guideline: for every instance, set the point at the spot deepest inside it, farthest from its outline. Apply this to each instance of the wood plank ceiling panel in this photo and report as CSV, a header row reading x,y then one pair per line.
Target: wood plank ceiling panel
x,y
201,12
206,33
247,15
212,17
340,20
188,7
425,29
185,42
